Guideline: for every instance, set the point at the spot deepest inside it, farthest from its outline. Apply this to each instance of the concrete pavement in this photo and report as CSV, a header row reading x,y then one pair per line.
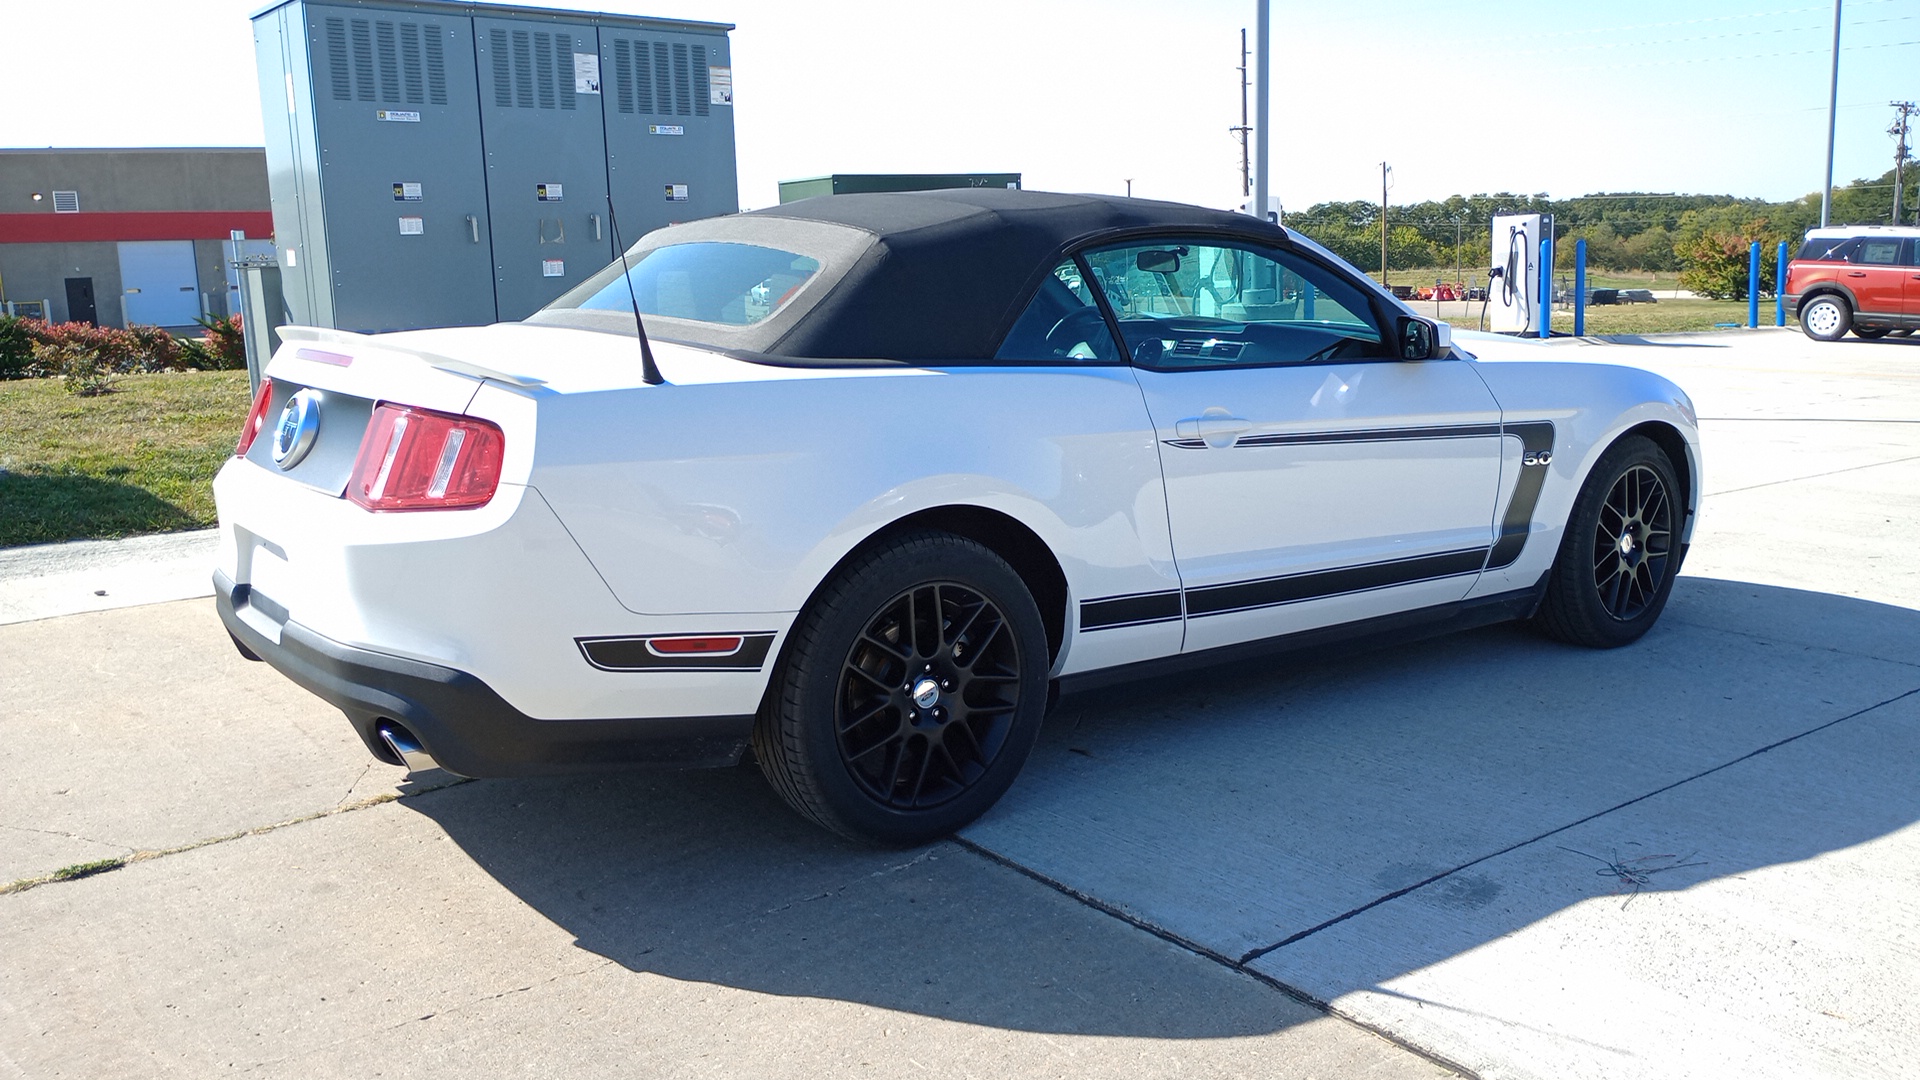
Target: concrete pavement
x,y
1692,857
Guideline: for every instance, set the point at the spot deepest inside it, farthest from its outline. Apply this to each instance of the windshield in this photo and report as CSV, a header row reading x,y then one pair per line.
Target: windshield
x,y
725,283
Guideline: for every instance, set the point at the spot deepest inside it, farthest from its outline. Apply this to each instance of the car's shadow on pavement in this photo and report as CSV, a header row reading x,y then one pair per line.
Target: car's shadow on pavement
x,y
1492,772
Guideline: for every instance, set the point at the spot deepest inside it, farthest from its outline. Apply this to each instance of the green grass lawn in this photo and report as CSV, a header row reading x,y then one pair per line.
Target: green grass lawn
x,y
1665,281
1665,317
140,459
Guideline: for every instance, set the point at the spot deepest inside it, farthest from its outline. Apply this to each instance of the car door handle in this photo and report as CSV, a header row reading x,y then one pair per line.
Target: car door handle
x,y
1857,273
1215,429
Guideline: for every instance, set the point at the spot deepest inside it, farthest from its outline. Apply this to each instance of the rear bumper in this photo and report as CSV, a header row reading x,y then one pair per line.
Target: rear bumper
x,y
458,719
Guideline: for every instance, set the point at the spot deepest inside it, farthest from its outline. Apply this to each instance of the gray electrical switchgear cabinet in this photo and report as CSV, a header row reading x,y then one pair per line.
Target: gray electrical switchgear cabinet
x,y
443,164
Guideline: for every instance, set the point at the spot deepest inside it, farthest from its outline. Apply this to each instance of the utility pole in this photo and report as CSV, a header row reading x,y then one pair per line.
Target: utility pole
x,y
1833,104
1246,168
1900,154
1385,171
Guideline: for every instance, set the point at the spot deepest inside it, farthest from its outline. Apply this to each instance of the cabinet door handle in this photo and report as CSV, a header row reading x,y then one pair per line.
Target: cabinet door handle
x,y
473,227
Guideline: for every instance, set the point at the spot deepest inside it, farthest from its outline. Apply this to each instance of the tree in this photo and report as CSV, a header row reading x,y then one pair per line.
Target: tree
x,y
1715,258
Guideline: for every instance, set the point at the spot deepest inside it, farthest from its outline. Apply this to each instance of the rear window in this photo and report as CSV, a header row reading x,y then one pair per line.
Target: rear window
x,y
728,284
1826,249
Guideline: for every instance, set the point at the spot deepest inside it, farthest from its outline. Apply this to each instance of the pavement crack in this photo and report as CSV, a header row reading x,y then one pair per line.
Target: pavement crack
x,y
449,1010
1810,476
1256,954
348,794
23,884
1785,643
1228,962
68,836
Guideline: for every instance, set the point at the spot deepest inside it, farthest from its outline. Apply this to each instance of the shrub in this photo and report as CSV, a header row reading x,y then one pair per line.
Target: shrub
x,y
223,349
83,369
154,349
16,347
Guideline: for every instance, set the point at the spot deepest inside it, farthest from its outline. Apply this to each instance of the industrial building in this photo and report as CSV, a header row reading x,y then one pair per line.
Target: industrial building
x,y
860,183
113,236
437,164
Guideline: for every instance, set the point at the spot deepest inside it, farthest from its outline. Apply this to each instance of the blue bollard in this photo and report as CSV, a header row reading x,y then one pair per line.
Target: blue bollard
x,y
1580,288
1780,288
1753,286
1546,288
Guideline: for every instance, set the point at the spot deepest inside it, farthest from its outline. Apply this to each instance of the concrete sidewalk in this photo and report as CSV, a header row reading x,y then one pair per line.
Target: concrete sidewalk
x,y
1691,857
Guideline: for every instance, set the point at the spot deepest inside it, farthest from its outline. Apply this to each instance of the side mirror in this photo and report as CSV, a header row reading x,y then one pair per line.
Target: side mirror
x,y
1422,340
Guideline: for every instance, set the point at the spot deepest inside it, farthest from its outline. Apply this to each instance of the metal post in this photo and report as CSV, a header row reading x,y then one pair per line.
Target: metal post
x,y
1261,144
1753,286
1780,287
1580,287
1545,305
1384,170
1833,103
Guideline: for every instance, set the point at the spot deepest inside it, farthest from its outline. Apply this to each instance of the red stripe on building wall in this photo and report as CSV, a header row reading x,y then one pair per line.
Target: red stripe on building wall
x,y
87,227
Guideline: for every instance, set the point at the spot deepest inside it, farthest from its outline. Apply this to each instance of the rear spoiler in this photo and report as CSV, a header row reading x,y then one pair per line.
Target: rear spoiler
x,y
324,336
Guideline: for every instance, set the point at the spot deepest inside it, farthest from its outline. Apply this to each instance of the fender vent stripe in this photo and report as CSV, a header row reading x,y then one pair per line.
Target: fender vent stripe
x,y
1535,437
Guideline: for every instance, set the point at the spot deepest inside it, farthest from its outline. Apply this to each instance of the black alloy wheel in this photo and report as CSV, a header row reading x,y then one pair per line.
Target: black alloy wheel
x,y
1620,552
1632,542
927,696
910,692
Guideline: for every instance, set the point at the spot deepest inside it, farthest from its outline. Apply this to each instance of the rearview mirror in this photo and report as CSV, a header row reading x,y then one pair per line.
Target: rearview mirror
x,y
1158,262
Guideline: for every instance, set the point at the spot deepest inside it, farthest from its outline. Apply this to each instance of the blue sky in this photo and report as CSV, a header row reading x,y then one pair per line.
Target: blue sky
x,y
1707,96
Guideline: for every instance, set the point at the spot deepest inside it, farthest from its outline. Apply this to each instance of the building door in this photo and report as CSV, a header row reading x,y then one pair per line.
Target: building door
x,y
80,301
159,282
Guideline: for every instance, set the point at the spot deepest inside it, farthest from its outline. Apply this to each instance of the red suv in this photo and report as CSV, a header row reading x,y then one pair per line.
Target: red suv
x,y
1863,278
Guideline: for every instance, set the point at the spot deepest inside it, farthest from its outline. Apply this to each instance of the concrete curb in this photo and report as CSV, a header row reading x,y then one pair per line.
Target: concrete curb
x,y
45,581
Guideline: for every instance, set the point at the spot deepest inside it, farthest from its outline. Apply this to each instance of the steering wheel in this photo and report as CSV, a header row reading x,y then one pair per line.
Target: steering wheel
x,y
1084,326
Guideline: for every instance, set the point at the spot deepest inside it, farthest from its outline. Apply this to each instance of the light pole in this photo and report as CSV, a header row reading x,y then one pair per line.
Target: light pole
x,y
1833,102
1264,56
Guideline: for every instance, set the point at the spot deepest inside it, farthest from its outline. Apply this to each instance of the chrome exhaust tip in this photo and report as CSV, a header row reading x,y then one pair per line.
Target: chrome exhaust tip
x,y
407,748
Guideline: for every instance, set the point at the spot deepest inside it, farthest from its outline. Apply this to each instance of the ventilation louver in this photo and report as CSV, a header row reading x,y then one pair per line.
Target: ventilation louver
x,y
383,61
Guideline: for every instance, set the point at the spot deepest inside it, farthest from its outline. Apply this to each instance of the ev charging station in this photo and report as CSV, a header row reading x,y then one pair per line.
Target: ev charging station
x,y
1517,303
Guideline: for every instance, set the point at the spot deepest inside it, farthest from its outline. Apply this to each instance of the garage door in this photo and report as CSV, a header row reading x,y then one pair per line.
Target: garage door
x,y
159,282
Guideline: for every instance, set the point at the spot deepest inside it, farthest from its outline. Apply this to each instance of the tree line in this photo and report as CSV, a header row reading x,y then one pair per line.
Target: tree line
x,y
1704,237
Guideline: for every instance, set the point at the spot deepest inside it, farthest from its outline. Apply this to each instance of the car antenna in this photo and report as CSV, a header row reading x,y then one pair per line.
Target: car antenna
x,y
649,372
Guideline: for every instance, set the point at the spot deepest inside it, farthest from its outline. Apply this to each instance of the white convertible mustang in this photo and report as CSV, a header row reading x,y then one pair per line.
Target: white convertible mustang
x,y
884,473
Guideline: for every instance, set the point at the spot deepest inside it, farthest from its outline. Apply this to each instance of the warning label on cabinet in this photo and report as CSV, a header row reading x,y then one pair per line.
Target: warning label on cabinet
x,y
412,226
405,192
586,73
553,268
721,80
547,192
676,193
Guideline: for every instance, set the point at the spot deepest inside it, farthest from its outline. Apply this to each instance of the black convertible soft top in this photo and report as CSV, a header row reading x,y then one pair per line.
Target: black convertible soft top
x,y
949,270
921,276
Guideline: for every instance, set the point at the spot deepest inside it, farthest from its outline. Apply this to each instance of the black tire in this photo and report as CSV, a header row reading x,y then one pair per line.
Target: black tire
x,y
1870,333
1620,553
910,693
1826,317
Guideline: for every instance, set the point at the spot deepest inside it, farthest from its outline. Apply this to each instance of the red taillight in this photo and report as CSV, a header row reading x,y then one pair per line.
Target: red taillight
x,y
256,419
413,459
